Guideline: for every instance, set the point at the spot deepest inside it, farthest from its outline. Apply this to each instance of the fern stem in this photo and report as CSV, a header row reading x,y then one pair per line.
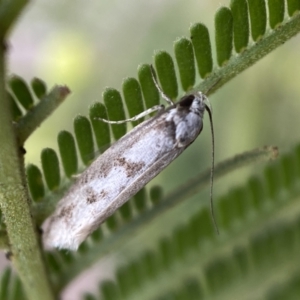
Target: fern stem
x,y
34,117
9,11
15,204
237,64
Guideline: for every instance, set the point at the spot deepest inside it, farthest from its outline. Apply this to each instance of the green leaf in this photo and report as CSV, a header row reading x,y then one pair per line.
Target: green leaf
x,y
202,48
185,60
150,92
16,111
21,91
115,111
223,34
39,112
4,283
11,286
67,150
84,138
50,165
133,98
156,194
39,87
35,182
276,12
140,200
239,9
293,7
112,223
101,129
166,73
258,18
126,211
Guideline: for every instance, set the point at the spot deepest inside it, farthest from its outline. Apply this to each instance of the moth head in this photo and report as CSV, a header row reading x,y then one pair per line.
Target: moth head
x,y
196,103
200,102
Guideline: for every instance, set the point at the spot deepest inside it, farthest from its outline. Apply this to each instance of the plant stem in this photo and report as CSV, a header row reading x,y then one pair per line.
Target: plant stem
x,y
272,40
34,117
9,11
15,205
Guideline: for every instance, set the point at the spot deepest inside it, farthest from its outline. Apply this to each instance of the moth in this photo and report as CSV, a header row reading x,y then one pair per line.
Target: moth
x,y
127,166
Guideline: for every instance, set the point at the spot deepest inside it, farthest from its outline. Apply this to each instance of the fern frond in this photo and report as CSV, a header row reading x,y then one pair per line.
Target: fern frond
x,y
293,7
149,90
67,150
84,138
133,98
259,246
224,35
239,9
184,55
10,286
180,266
231,64
35,112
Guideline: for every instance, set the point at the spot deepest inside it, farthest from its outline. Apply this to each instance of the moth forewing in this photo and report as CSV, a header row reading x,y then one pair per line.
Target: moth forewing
x,y
122,170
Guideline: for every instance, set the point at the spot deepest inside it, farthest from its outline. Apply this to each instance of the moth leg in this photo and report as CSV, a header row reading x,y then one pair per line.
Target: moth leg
x,y
137,117
163,95
76,176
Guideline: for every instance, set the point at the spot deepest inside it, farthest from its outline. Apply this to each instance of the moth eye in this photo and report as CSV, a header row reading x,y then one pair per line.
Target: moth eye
x,y
187,101
182,140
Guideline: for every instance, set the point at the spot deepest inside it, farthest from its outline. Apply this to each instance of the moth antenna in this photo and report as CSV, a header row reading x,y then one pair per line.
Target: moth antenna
x,y
137,117
212,172
159,88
